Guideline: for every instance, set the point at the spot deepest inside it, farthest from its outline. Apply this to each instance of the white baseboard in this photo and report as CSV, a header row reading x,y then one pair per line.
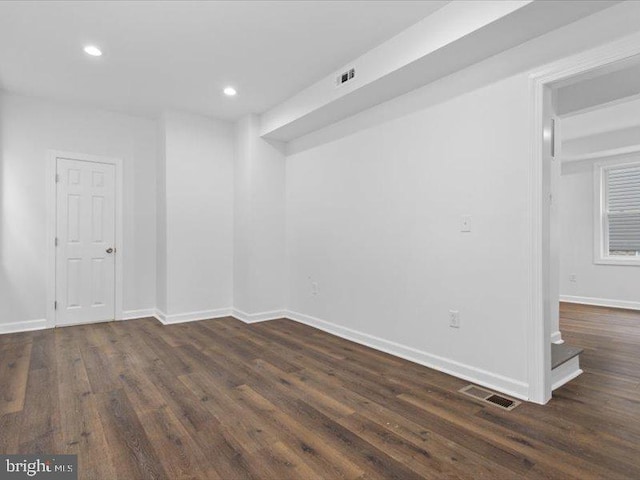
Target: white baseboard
x,y
487,379
160,316
556,337
192,316
258,317
25,326
565,373
135,314
601,302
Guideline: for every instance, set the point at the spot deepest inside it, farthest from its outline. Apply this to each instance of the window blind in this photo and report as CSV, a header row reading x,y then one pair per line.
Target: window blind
x,y
623,210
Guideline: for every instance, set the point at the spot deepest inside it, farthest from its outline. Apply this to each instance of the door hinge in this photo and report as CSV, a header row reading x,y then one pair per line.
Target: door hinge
x,y
57,178
56,242
55,305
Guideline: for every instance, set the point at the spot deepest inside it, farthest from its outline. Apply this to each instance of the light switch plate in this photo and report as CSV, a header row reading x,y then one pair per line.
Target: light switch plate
x,y
454,318
465,223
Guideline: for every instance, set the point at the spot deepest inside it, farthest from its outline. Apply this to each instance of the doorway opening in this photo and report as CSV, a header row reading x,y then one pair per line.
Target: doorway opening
x,y
576,84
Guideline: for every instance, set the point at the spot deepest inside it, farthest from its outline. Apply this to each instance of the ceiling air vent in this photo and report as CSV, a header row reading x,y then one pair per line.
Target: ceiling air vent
x,y
344,77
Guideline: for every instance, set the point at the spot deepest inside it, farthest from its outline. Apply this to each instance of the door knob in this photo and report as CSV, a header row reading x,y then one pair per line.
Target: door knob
x,y
109,250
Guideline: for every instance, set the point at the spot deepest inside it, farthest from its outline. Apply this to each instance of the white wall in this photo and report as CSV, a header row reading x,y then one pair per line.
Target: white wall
x,y
198,156
28,128
374,206
608,284
259,228
603,129
374,219
607,128
178,189
161,219
242,215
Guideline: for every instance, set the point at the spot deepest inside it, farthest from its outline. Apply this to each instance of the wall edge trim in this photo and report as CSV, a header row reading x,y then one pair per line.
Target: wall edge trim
x,y
24,326
601,302
259,316
166,319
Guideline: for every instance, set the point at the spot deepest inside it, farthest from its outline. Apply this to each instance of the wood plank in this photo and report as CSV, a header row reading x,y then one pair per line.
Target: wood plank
x,y
81,432
178,452
41,424
131,450
10,424
14,370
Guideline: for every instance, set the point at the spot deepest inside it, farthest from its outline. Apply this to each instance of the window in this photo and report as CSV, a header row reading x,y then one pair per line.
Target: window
x,y
618,214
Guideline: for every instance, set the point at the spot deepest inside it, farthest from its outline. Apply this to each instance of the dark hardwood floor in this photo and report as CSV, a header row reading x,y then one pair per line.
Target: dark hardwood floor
x,y
219,399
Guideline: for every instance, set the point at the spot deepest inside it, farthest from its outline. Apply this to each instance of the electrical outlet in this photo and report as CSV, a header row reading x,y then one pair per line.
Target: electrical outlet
x,y
314,288
573,278
454,318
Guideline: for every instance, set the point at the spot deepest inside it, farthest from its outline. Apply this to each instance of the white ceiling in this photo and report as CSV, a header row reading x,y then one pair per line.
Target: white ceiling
x,y
180,55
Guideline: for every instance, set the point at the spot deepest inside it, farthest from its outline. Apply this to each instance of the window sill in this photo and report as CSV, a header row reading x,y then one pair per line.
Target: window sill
x,y
635,261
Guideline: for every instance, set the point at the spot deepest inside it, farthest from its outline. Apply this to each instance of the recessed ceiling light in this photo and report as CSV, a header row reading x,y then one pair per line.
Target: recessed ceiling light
x,y
92,50
230,91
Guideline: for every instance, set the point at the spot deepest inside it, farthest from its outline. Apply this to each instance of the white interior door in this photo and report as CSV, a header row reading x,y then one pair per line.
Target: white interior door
x,y
85,237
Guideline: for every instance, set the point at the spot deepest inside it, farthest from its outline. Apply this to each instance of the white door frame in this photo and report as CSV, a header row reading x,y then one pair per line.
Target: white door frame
x,y
538,328
51,159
